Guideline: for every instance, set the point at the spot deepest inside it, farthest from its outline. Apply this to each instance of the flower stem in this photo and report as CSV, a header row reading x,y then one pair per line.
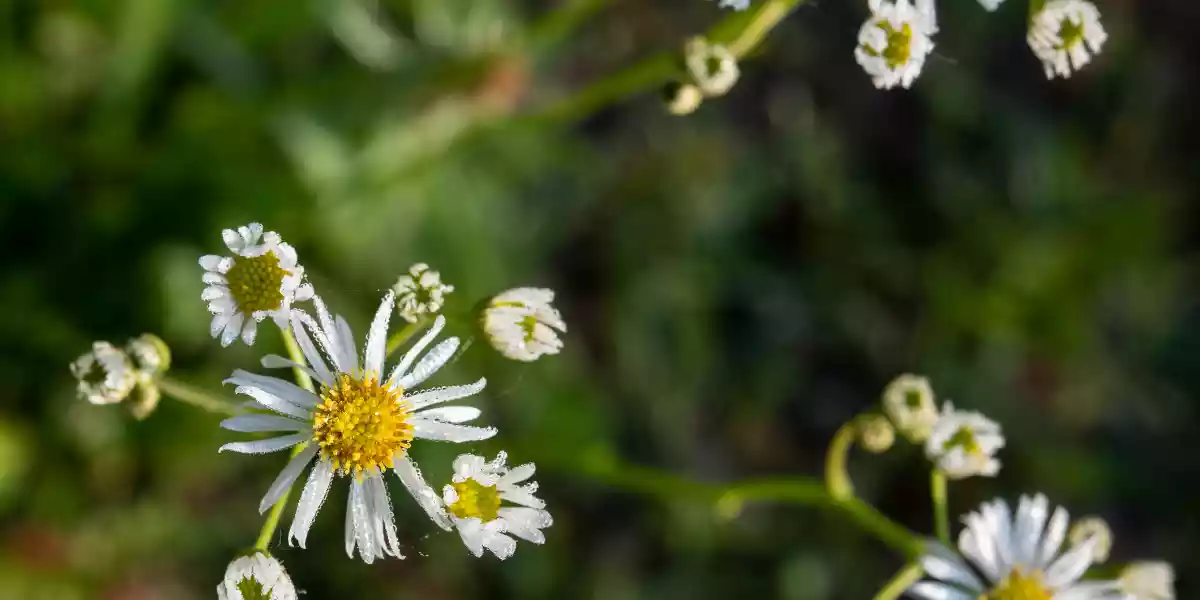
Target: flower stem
x,y
400,337
941,513
837,479
304,381
903,580
194,396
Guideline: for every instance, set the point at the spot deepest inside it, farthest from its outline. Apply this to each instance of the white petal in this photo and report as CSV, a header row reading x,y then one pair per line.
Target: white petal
x,y
517,495
233,329
256,422
315,360
410,476
360,516
410,356
941,564
210,262
929,590
518,474
377,337
429,364
452,414
218,324
345,343
310,502
249,332
1072,565
287,477
1056,532
381,504
269,445
274,402
501,545
214,292
448,432
433,396
285,390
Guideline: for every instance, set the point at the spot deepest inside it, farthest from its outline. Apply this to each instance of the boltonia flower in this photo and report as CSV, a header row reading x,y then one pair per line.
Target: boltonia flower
x,y
1011,557
358,424
521,324
893,43
1064,35
908,400
420,292
476,499
256,577
105,375
964,443
262,279
1149,581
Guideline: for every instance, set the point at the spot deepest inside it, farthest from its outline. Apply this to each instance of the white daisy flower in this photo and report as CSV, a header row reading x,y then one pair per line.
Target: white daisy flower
x,y
1013,558
475,499
262,279
909,401
713,68
420,292
106,375
256,577
735,4
964,443
1149,581
893,43
360,423
1064,35
521,324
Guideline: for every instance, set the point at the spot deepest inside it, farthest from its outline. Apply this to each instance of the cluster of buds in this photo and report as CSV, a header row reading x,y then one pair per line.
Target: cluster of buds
x,y
111,375
712,70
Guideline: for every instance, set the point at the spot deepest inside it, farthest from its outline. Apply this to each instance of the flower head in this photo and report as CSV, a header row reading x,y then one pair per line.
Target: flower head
x,y
1064,35
105,375
359,423
893,43
476,499
1149,581
420,292
256,577
713,68
964,443
908,400
262,279
521,324
1013,558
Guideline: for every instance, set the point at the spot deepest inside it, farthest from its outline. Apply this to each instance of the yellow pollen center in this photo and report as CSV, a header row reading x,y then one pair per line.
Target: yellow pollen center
x,y
1070,33
1019,586
528,325
255,282
476,500
899,45
964,438
360,424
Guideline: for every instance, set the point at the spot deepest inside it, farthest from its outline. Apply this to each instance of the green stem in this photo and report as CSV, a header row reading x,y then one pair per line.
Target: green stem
x,y
837,478
903,580
304,381
196,397
941,512
400,337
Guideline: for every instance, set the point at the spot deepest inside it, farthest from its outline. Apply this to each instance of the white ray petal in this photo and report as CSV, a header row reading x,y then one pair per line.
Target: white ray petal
x,y
433,396
274,444
408,473
452,414
310,502
429,364
377,337
286,478
255,423
411,356
448,432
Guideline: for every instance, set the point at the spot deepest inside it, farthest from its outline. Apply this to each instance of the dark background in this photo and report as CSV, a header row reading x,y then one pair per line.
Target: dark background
x,y
738,283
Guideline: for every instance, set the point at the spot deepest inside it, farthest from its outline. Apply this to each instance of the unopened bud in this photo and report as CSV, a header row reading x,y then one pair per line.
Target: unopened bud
x,y
876,434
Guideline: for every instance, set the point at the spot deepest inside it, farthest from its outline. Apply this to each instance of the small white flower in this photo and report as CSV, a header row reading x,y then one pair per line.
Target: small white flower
x,y
475,501
521,324
735,4
894,42
256,577
1064,35
991,5
1093,527
106,375
359,424
683,99
964,443
1149,581
909,401
420,292
713,68
1013,558
262,279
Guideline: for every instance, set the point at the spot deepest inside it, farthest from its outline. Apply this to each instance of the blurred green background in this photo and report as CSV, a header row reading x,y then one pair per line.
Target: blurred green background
x,y
738,283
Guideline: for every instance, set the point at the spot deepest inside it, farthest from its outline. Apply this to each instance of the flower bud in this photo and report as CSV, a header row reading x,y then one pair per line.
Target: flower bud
x,y
876,434
105,375
256,577
682,99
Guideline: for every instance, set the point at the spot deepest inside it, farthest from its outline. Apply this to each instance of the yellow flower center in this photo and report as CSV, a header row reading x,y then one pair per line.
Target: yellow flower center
x,y
899,44
476,500
360,424
1070,33
255,282
528,325
1019,586
964,438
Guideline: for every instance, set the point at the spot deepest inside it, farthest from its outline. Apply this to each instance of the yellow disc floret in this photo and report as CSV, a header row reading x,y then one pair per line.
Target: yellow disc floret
x,y
965,439
1019,586
1070,33
899,44
255,282
476,500
360,424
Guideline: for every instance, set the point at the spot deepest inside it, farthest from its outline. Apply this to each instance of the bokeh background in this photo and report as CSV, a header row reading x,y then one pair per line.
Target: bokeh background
x,y
738,283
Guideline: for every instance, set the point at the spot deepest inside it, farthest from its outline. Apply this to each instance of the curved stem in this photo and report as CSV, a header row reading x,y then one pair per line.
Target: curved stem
x,y
400,337
837,479
903,580
304,381
941,512
194,396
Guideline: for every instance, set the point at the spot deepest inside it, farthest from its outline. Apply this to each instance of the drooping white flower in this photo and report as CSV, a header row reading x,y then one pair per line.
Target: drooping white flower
x,y
735,4
359,423
1154,580
521,324
714,69
909,401
262,279
1013,558
475,501
256,577
106,375
420,292
893,43
964,444
1064,35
